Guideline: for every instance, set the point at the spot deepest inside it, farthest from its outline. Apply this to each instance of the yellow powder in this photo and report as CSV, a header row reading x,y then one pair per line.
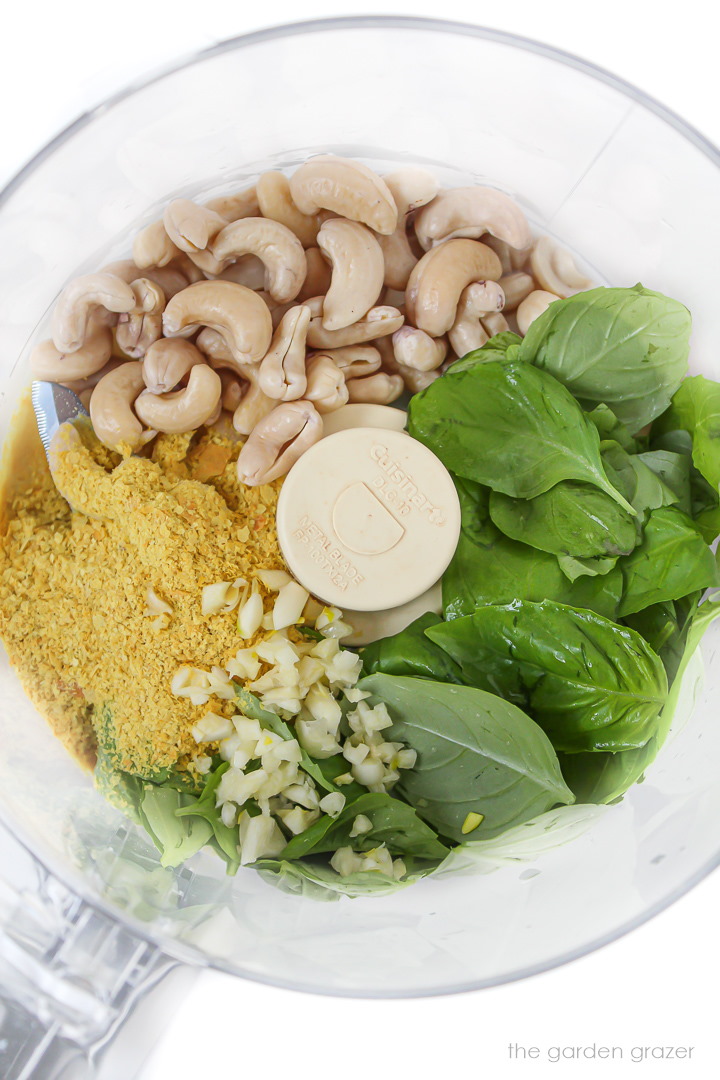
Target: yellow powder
x,y
73,587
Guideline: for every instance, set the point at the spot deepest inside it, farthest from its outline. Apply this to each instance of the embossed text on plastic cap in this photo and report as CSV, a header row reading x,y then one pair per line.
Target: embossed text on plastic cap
x,y
368,519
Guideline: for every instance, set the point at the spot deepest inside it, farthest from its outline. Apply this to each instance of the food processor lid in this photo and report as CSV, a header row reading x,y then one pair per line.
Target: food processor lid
x,y
368,519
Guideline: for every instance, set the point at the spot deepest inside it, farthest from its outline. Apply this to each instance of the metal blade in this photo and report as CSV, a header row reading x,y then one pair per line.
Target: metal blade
x,y
54,405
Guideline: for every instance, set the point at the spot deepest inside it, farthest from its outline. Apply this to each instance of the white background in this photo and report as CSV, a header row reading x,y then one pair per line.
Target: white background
x,y
657,987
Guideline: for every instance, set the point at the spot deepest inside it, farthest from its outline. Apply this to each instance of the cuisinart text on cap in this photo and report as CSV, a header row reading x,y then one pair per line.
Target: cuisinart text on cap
x,y
368,520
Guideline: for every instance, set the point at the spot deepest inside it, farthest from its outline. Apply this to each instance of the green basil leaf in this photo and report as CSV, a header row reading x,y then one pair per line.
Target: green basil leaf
x,y
640,484
571,518
476,754
394,824
590,684
177,839
510,426
672,561
696,409
494,349
410,652
575,567
704,499
610,428
625,348
318,881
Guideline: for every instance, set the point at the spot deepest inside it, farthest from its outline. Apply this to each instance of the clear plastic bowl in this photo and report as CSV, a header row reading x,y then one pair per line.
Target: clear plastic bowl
x,y
594,162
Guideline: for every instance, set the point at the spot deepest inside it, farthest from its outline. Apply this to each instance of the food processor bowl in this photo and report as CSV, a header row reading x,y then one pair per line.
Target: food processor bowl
x,y
90,917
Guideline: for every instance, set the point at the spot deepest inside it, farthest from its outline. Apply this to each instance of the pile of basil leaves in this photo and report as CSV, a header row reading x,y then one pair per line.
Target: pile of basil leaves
x,y
588,468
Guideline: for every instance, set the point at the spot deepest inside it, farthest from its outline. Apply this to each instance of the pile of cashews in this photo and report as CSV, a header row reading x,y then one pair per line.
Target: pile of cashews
x,y
289,299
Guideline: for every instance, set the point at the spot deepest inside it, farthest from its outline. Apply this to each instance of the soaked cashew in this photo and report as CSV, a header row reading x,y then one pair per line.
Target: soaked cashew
x,y
357,271
554,269
282,371
495,323
410,188
378,322
355,361
511,259
273,243
167,362
532,307
516,286
248,270
414,380
278,441
471,212
237,313
318,277
80,299
437,281
417,350
153,247
326,386
111,408
346,187
378,389
477,301
139,328
239,205
191,228
213,345
275,201
254,404
82,386
232,390
52,365
186,409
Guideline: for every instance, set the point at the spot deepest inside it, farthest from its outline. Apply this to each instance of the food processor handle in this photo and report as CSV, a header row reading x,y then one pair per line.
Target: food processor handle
x,y
69,974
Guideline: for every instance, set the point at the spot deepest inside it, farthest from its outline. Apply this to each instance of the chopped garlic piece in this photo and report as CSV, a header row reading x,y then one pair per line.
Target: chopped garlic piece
x,y
303,793
399,869
273,579
361,825
250,616
309,670
322,706
298,820
355,754
330,623
405,759
222,597
333,803
212,728
192,683
289,605
315,738
160,622
343,669
344,779
228,814
369,771
283,699
281,777
354,695
267,621
237,786
277,650
155,605
248,730
245,665
471,823
202,763
260,837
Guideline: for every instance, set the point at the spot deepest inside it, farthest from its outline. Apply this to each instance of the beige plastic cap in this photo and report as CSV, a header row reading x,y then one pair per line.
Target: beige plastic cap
x,y
368,519
364,415
370,625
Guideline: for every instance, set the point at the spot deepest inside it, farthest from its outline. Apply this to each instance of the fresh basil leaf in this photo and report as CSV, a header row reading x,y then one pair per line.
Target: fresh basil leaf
x,y
574,567
410,652
603,778
510,426
571,518
394,824
696,409
476,754
590,684
704,499
625,348
489,568
318,881
206,808
673,470
497,348
672,561
250,706
640,485
610,428
176,838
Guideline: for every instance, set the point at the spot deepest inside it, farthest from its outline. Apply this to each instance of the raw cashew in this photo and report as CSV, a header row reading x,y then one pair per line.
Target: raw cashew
x,y
191,228
532,307
355,361
357,271
275,201
414,380
111,408
254,404
378,322
555,269
232,390
52,365
153,247
248,270
326,386
417,350
139,328
510,258
278,441
282,371
241,204
516,286
82,386
213,345
237,313
346,187
167,362
379,389
477,301
186,409
471,212
495,323
273,243
410,188
77,302
318,277
437,281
